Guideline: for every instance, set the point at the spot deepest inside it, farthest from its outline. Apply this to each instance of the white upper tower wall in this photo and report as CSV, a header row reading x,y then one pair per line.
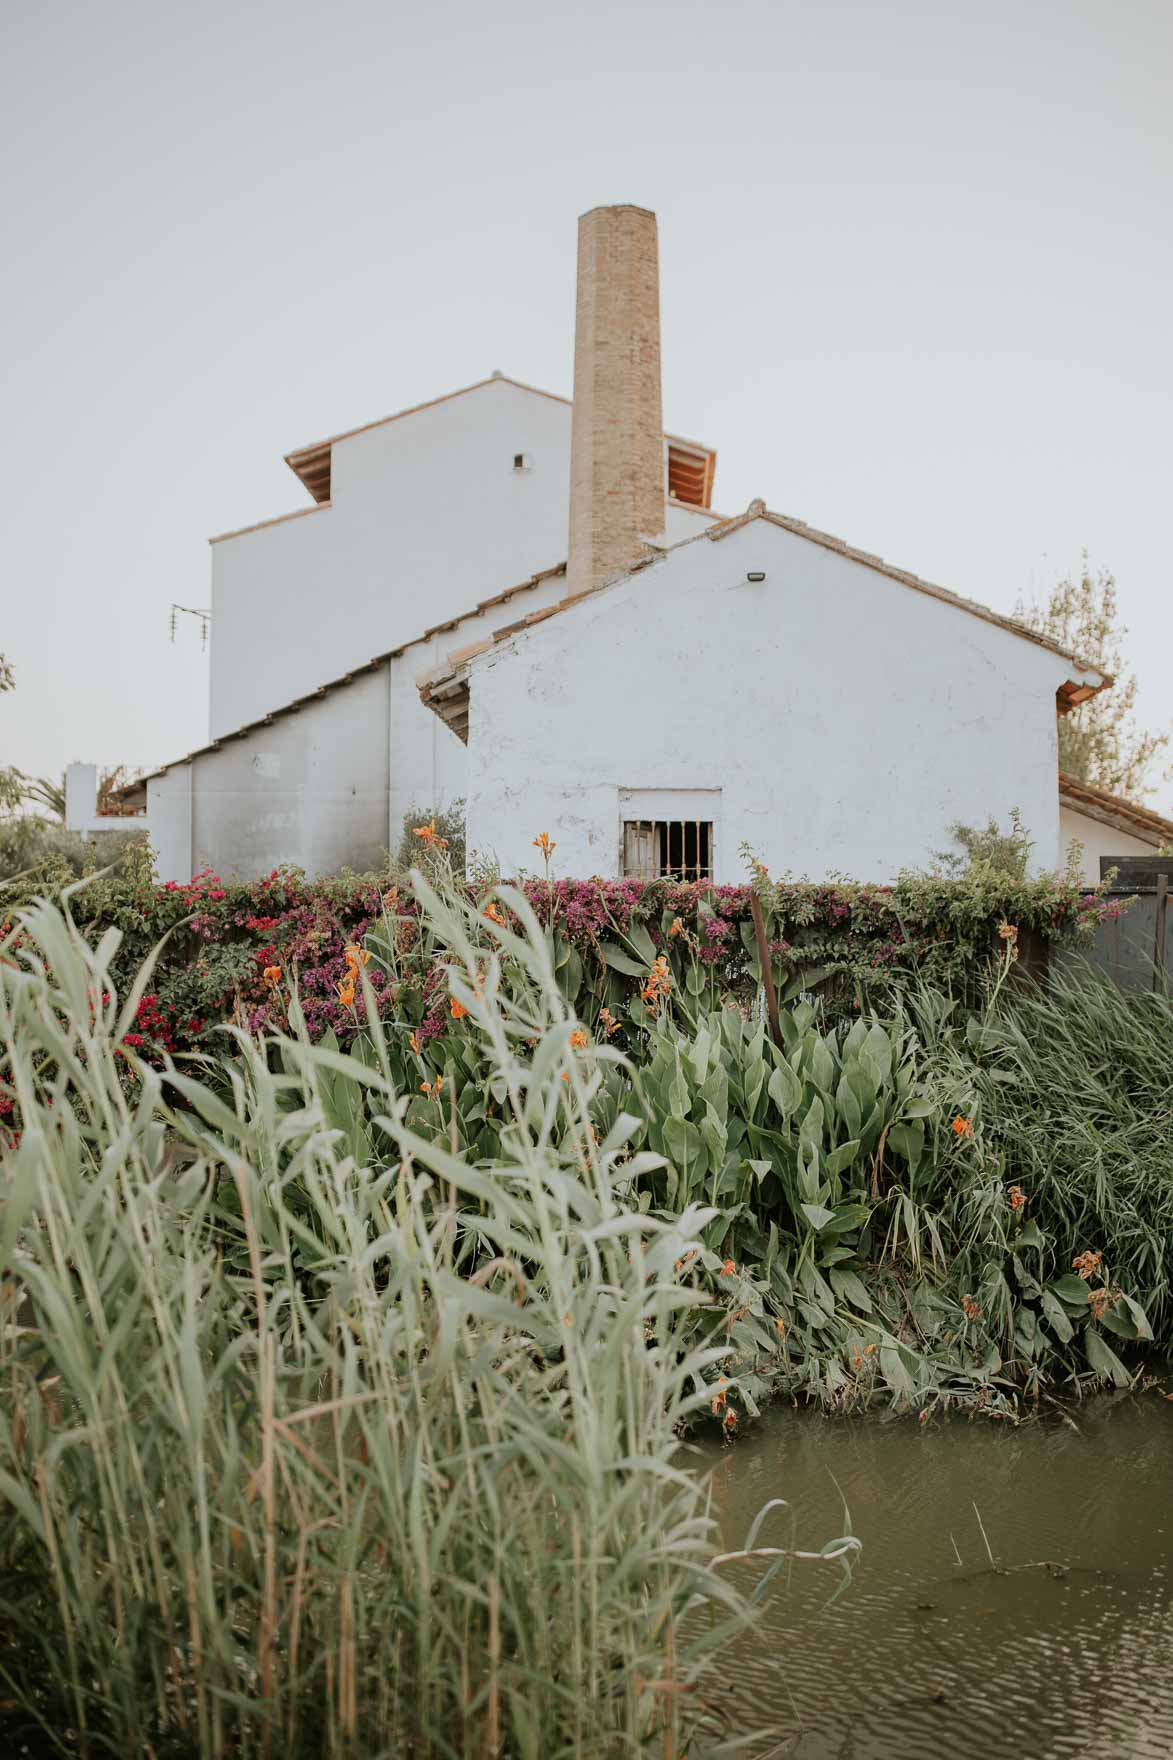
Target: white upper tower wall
x,y
427,516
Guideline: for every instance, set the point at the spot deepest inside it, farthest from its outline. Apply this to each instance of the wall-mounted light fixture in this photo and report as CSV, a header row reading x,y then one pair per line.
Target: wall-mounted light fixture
x,y
756,574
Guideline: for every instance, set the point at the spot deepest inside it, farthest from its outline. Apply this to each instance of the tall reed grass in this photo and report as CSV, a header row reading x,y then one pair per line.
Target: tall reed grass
x,y
1075,1086
285,1467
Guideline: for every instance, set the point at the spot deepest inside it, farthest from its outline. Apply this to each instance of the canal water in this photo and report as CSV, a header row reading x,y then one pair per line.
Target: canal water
x,y
1061,1646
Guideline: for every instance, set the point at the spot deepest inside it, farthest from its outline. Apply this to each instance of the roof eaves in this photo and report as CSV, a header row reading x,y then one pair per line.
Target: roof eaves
x,y
302,454
1111,809
279,519
708,513
303,457
759,510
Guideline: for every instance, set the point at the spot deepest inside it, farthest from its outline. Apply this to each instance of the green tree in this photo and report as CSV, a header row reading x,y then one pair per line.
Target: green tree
x,y
1099,743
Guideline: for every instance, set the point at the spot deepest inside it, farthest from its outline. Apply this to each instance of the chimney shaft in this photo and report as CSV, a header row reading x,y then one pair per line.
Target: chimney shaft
x,y
617,428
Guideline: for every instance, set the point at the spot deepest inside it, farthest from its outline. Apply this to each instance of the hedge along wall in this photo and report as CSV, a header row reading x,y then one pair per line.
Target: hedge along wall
x,y
232,951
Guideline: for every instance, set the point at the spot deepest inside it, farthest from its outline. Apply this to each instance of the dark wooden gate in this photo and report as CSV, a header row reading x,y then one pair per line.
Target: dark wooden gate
x,y
1136,949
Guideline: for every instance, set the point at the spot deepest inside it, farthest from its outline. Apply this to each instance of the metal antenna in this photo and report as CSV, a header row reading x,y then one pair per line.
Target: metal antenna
x,y
205,617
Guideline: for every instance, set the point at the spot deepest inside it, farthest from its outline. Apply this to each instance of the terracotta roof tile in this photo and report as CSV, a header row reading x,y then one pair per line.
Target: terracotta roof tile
x,y
757,509
1114,810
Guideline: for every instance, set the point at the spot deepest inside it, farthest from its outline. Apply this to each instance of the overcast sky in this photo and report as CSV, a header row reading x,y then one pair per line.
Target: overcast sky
x,y
917,284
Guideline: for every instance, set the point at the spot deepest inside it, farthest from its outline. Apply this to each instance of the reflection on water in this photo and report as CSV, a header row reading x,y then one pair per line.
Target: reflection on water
x,y
1065,1649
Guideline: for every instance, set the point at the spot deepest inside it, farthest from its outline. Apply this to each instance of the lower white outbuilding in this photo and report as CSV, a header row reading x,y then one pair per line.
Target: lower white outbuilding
x,y
761,685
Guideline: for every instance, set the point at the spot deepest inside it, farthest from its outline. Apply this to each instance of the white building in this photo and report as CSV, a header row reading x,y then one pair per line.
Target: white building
x,y
763,684
704,683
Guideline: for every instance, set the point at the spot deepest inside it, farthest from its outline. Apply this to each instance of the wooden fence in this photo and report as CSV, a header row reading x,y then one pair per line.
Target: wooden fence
x,y
1136,949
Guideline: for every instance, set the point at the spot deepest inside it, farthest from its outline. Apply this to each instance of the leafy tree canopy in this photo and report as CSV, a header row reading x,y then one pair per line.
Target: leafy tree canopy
x,y
1099,743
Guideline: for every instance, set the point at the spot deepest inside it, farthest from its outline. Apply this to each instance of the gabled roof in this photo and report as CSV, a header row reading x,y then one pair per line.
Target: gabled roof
x,y
445,688
1114,810
690,464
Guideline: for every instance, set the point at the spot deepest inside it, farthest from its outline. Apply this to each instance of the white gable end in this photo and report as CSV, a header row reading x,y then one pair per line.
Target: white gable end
x,y
846,719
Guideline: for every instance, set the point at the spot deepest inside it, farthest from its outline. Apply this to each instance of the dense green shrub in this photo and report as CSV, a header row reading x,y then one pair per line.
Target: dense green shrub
x,y
433,837
873,1232
38,855
853,944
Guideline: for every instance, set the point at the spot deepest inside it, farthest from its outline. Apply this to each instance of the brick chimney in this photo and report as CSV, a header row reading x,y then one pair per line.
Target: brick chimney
x,y
617,485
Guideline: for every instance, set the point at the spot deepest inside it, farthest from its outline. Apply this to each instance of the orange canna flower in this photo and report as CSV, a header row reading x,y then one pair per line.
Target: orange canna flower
x,y
272,976
542,842
676,928
1087,1264
970,1308
729,1269
578,1039
962,1127
659,982
780,1328
610,1024
356,956
493,914
346,991
730,1419
432,1089
458,1009
1101,1300
1017,1197
428,836
414,1042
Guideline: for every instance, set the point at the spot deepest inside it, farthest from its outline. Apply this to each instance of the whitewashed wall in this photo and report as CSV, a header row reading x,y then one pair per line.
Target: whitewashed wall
x,y
847,720
1097,840
311,789
427,518
328,786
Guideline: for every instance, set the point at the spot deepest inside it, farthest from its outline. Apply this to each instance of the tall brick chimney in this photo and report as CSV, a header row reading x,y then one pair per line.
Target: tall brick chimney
x,y
617,428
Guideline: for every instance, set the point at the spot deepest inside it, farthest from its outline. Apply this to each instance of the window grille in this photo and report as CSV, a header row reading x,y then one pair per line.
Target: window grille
x,y
668,849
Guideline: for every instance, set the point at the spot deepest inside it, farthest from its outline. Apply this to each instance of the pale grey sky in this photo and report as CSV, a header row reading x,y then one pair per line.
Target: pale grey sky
x,y
917,262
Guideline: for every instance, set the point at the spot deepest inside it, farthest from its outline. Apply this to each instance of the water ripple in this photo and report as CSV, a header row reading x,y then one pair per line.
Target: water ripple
x,y
1013,1596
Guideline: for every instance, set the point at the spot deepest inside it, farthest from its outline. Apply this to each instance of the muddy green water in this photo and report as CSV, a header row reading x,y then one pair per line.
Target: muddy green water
x,y
924,1658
